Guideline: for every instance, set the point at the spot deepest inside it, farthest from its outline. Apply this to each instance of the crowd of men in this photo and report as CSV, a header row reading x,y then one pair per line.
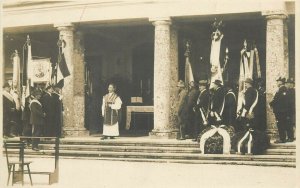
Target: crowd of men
x,y
217,104
40,116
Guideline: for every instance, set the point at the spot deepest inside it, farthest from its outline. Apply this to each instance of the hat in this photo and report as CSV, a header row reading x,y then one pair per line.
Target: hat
x,y
202,82
290,80
6,85
281,80
218,82
249,81
59,85
181,84
48,86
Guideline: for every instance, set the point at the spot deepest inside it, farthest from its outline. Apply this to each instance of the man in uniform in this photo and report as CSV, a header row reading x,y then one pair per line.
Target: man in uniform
x,y
248,110
193,94
229,112
217,102
182,110
290,84
201,109
281,111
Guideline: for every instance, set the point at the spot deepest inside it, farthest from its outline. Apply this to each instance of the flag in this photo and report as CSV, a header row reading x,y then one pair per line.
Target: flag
x,y
62,68
16,82
189,77
249,68
216,71
30,66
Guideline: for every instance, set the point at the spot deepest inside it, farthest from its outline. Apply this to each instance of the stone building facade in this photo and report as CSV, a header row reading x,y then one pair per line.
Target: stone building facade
x,y
108,32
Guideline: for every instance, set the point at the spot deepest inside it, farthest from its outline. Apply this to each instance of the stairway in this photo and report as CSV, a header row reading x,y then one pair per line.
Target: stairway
x,y
154,150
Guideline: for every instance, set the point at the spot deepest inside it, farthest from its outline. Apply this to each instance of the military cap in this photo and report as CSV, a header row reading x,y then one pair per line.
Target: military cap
x,y
249,81
290,80
48,86
181,84
59,85
203,82
280,79
218,82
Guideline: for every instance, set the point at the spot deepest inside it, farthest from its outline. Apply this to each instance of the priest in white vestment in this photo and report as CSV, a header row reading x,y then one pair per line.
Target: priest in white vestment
x,y
111,106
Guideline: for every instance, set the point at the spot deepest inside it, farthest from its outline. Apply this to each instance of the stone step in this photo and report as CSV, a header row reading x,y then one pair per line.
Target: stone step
x,y
156,143
280,151
221,162
181,156
283,146
118,148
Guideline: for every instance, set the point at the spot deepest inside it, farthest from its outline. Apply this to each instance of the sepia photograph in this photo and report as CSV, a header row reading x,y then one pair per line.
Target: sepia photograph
x,y
148,93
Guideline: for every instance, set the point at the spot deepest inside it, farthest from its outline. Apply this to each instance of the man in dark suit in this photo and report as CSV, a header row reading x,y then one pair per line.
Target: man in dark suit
x,y
248,110
229,112
37,118
49,109
290,84
280,107
58,105
182,109
217,102
193,94
8,110
201,109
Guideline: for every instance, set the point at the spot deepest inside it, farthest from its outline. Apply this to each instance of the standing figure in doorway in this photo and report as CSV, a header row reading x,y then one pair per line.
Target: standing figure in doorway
x,y
111,106
182,109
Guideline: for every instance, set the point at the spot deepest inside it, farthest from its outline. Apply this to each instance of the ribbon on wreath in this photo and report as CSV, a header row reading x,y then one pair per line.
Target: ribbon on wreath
x,y
213,131
248,134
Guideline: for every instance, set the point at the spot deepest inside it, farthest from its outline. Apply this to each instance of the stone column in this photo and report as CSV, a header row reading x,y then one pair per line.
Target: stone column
x,y
165,63
73,90
276,60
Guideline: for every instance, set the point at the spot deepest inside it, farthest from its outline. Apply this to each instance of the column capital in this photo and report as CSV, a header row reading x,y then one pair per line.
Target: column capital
x,y
161,21
275,14
64,26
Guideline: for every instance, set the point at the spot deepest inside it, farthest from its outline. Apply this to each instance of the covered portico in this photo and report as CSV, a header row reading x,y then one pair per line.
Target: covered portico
x,y
162,30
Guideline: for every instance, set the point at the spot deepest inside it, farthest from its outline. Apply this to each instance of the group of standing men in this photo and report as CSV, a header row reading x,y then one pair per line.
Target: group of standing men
x,y
218,104
41,115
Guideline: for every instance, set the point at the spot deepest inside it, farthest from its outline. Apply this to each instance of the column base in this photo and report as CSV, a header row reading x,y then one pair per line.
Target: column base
x,y
160,134
75,132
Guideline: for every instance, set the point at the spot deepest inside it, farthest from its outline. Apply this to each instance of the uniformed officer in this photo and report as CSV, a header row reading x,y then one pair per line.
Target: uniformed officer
x,y
290,84
201,109
217,102
248,110
182,109
281,111
49,109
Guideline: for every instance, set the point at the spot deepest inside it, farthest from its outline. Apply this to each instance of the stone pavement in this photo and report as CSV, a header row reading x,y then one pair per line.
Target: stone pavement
x,y
111,174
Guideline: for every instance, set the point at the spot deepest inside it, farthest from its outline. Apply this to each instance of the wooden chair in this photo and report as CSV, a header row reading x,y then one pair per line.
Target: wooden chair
x,y
17,175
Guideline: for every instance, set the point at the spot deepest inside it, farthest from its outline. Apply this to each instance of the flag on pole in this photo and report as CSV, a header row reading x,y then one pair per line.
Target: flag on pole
x,y
189,77
216,71
249,68
16,82
62,68
30,66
